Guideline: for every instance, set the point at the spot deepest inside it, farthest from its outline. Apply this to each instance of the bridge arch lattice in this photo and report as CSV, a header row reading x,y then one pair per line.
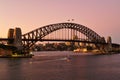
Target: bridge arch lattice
x,y
45,30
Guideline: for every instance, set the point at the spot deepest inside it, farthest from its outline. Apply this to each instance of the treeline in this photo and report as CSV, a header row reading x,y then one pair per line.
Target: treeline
x,y
7,47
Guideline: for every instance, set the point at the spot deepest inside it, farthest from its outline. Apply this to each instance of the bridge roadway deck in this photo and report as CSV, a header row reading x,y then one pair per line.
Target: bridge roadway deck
x,y
62,40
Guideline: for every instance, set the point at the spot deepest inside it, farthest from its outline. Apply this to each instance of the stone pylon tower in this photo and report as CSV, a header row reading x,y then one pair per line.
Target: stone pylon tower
x,y
17,38
16,35
10,36
109,41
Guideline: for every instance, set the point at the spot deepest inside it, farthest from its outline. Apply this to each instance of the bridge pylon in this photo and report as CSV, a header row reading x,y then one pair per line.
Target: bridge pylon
x,y
15,34
10,36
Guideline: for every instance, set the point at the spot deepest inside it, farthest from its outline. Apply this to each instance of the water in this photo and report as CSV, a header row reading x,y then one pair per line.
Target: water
x,y
65,67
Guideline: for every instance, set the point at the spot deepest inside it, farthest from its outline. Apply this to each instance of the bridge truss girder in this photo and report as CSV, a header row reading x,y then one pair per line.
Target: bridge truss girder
x,y
41,32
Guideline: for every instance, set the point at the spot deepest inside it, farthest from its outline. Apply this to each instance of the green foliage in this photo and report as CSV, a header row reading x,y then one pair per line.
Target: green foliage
x,y
7,47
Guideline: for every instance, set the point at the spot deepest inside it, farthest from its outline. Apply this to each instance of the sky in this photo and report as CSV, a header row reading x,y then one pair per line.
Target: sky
x,y
102,16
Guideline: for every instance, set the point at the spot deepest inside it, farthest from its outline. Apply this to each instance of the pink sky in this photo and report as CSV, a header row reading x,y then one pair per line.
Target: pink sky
x,y
102,16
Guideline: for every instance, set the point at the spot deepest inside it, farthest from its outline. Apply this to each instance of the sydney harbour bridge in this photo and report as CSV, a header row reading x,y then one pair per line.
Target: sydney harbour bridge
x,y
67,32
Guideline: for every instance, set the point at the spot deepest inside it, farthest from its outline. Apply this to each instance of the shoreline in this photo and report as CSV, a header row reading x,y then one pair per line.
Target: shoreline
x,y
68,53
16,56
56,54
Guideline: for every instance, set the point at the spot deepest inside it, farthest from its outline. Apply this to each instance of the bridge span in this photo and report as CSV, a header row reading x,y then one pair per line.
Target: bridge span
x,y
71,32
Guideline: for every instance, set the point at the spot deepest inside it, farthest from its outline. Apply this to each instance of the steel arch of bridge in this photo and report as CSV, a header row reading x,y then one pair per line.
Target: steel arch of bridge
x,y
41,32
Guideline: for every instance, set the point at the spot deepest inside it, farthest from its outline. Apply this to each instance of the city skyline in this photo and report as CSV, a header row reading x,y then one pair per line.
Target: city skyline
x,y
102,16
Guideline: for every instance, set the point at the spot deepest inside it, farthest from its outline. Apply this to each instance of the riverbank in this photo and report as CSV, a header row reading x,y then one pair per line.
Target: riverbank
x,y
58,53
54,54
16,56
68,53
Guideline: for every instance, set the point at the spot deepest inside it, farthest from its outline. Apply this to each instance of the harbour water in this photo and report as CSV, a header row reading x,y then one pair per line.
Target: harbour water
x,y
61,66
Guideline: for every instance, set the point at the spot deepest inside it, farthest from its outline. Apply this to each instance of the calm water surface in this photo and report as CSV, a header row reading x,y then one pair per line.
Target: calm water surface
x,y
102,67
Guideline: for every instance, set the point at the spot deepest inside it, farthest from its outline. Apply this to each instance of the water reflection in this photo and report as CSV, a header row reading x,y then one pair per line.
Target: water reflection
x,y
12,69
61,68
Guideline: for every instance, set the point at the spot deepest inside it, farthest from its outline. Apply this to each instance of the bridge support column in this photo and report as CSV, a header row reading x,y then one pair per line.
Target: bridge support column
x,y
10,36
109,41
107,48
17,38
16,35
